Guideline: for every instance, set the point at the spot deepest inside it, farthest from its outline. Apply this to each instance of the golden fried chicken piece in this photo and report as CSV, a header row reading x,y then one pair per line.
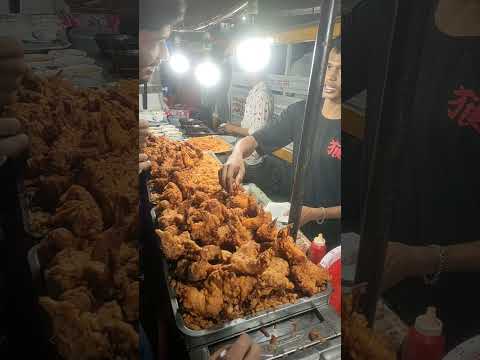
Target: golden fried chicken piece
x,y
172,229
274,278
80,297
50,189
267,232
77,336
171,217
256,222
124,339
286,248
245,259
199,270
210,253
360,341
129,260
131,301
99,279
56,241
109,311
176,246
236,288
79,212
66,271
199,197
225,256
240,200
194,271
172,194
117,137
214,207
202,225
310,278
223,235
207,303
112,238
110,177
239,235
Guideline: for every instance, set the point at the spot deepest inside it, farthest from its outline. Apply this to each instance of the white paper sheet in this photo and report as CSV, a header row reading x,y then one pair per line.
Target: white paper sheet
x,y
278,211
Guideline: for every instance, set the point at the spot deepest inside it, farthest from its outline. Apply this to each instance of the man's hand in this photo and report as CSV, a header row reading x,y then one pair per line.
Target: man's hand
x,y
232,173
403,261
227,128
243,349
12,69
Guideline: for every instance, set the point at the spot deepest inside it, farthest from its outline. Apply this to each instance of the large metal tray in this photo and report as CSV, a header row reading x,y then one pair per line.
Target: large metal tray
x,y
250,322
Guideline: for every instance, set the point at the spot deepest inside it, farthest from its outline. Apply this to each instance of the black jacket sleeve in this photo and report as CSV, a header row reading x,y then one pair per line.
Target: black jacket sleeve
x,y
282,132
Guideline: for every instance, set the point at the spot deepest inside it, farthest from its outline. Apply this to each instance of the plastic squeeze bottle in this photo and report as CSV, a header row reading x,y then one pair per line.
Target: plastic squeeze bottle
x,y
425,340
318,249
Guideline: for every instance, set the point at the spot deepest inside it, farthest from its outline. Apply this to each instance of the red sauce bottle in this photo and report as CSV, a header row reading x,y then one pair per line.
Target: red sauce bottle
x,y
318,249
425,340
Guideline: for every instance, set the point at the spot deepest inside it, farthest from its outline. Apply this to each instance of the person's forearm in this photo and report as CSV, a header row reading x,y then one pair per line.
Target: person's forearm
x,y
334,213
245,147
459,258
331,213
239,131
463,257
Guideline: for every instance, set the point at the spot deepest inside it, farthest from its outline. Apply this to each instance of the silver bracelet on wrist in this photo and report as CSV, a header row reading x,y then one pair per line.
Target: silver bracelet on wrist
x,y
324,217
432,279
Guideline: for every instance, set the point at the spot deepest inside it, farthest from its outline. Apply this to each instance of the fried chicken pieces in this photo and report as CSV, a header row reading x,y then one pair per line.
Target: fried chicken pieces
x,y
358,340
228,258
81,179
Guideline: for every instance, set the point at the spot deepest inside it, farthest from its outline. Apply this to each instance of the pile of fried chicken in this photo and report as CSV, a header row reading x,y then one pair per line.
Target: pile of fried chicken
x,y
359,342
228,257
82,172
83,137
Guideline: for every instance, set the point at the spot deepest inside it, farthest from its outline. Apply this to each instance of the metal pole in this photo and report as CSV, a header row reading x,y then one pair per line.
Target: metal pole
x,y
288,63
320,57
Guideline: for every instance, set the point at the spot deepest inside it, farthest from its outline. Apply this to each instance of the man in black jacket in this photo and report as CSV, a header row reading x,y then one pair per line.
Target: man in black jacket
x,y
419,64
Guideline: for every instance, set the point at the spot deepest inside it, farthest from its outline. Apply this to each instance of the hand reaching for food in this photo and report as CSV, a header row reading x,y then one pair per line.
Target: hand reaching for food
x,y
243,349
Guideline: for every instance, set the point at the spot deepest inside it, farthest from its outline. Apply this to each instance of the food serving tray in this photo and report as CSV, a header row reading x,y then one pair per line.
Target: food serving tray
x,y
228,146
249,322
189,122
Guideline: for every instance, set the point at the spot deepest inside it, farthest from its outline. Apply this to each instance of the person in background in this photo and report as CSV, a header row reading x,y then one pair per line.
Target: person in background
x,y
321,211
259,108
156,21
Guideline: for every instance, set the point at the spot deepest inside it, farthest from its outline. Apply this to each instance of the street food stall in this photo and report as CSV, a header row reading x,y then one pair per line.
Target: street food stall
x,y
215,252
